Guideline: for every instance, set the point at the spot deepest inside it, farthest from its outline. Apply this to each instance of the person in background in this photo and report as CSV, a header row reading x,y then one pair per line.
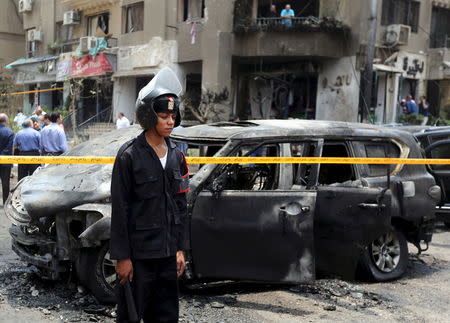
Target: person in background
x,y
6,145
53,138
411,105
46,119
403,106
424,109
287,13
273,12
19,118
122,121
36,123
27,143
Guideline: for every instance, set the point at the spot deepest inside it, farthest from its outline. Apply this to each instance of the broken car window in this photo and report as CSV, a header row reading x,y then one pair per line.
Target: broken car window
x,y
302,173
251,177
376,149
335,173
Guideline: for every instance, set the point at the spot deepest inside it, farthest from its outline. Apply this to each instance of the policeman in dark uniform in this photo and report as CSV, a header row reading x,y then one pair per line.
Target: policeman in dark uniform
x,y
149,211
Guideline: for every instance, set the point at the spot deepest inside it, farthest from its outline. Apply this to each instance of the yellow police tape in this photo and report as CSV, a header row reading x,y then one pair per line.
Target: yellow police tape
x,y
33,91
228,160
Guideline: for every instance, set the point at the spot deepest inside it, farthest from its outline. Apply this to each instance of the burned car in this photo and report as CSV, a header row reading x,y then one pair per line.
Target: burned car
x,y
259,222
435,142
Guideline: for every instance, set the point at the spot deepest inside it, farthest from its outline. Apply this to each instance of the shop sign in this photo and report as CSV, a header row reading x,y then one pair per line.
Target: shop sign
x,y
91,66
63,70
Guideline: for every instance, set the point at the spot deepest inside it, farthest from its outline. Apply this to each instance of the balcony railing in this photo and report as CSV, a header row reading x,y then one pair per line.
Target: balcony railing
x,y
440,41
309,23
71,45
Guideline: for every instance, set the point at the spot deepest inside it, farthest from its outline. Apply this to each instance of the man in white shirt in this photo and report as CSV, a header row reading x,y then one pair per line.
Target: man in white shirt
x,y
122,121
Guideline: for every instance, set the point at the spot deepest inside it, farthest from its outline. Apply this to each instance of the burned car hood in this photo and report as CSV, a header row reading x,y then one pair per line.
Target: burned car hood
x,y
57,187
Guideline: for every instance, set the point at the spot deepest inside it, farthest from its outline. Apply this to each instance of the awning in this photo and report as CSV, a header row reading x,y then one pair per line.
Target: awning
x,y
135,73
23,61
386,68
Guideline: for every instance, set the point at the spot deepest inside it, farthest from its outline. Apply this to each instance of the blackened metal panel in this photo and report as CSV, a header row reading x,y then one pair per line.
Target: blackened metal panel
x,y
248,235
346,221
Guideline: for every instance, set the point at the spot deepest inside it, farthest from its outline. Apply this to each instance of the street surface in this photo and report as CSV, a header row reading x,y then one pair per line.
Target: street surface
x,y
421,296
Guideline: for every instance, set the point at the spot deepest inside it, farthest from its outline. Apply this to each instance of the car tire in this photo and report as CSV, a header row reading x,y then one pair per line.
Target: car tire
x,y
385,258
96,271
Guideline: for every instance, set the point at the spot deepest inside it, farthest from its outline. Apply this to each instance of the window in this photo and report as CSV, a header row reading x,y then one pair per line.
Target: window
x,y
376,149
404,12
335,173
134,17
304,175
250,177
63,33
193,9
32,46
98,25
440,28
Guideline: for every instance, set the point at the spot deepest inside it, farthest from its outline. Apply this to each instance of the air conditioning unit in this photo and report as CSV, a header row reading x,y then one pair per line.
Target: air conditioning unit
x,y
71,18
397,35
86,43
35,35
25,5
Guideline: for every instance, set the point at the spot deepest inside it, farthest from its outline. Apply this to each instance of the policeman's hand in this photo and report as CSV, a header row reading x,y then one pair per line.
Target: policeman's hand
x,y
181,263
124,269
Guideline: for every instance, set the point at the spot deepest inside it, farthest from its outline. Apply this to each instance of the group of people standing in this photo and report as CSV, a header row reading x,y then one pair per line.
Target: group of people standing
x,y
409,106
287,14
46,139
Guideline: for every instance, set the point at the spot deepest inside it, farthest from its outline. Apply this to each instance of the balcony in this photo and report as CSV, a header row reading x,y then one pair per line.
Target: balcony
x,y
71,45
301,24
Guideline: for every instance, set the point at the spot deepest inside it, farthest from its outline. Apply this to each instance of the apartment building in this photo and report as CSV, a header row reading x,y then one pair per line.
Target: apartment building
x,y
232,56
412,56
11,47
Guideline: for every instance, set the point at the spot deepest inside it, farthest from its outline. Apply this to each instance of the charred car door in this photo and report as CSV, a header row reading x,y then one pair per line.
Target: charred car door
x,y
349,214
441,149
247,224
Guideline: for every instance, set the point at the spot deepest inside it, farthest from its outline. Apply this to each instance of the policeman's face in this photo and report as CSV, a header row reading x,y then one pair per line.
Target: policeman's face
x,y
166,122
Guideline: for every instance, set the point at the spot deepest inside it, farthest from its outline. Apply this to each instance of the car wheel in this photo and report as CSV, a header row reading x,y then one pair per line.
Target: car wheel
x,y
385,258
96,270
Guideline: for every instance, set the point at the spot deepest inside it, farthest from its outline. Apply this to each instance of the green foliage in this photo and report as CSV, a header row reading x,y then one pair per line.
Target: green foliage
x,y
14,127
438,121
411,119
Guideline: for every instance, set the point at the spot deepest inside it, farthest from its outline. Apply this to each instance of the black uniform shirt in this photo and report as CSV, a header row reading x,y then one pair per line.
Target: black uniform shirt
x,y
149,208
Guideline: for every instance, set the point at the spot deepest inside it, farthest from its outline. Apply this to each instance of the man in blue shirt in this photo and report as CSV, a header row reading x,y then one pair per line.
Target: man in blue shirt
x,y
27,142
53,138
287,13
6,143
411,105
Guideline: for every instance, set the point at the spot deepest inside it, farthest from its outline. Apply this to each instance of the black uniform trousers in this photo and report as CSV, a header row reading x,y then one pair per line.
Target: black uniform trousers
x,y
155,291
5,176
24,170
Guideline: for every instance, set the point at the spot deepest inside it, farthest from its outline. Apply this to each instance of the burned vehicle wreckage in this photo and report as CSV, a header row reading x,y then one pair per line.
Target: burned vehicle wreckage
x,y
258,222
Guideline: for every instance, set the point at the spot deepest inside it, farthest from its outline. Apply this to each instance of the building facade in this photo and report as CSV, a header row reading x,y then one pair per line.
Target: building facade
x,y
11,47
233,57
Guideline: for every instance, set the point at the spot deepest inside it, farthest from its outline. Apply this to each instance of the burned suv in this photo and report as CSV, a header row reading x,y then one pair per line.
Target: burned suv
x,y
260,222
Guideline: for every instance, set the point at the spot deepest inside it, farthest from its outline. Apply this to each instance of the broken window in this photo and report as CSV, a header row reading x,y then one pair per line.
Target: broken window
x,y
304,175
376,149
404,12
134,17
98,25
251,177
193,9
440,28
335,173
